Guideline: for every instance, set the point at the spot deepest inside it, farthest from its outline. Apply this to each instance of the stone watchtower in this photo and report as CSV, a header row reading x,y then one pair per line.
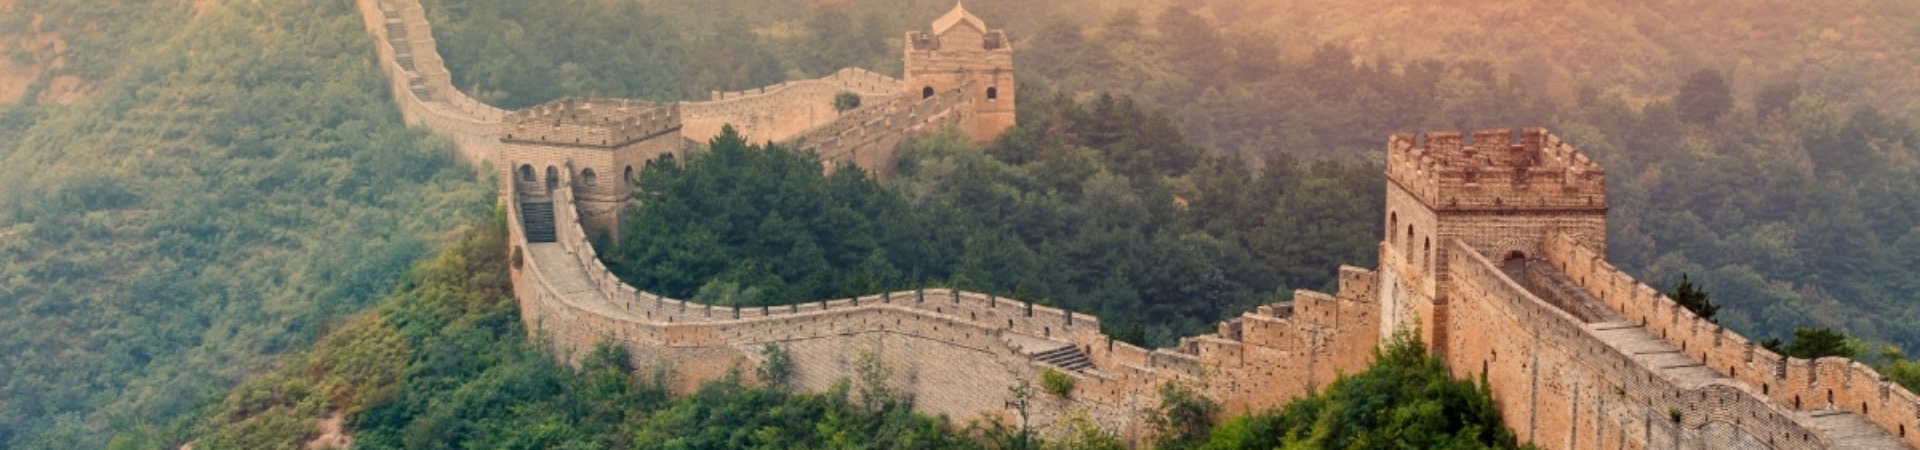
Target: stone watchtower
x,y
961,53
593,146
1503,194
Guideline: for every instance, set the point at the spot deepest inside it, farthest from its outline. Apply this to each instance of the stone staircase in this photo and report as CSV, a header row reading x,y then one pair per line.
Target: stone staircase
x,y
536,218
403,54
1068,357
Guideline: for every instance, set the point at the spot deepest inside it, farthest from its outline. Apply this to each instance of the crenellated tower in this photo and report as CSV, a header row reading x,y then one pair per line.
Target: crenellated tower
x,y
1504,193
596,146
961,53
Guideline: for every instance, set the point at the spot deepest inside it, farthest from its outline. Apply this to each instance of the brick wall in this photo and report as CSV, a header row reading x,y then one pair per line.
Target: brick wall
x,y
1791,382
778,112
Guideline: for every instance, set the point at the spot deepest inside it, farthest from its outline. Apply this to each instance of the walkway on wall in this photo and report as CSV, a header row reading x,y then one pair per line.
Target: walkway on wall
x,y
1682,368
1846,429
562,270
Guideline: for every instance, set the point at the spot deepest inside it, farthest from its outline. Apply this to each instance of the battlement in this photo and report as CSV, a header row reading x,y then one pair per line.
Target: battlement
x,y
1499,170
959,30
990,41
606,123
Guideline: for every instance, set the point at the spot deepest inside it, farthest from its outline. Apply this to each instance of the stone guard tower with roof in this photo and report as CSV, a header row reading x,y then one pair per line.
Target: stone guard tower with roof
x,y
961,53
1504,194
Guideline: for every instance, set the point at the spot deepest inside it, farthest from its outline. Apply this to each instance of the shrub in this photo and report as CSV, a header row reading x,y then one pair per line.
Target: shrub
x,y
1056,383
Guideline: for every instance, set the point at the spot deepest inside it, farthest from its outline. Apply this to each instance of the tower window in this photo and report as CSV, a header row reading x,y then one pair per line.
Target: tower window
x,y
1408,254
1393,223
993,93
1426,253
526,173
590,178
926,92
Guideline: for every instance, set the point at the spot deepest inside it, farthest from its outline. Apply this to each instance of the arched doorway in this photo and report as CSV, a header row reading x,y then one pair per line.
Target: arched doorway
x,y
553,178
926,92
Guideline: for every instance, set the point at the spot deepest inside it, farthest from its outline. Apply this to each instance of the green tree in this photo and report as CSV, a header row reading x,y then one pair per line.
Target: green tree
x,y
778,367
1817,342
845,101
1057,383
1694,299
1704,97
1183,419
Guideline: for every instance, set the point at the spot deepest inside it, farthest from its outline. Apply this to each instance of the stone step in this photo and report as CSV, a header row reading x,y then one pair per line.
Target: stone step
x,y
1068,357
536,219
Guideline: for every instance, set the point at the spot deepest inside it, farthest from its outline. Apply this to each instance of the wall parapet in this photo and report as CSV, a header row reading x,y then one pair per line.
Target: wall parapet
x,y
604,123
1655,390
1799,384
1496,172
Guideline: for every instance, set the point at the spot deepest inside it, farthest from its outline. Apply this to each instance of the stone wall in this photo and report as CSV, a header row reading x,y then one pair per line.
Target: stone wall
x,y
1563,383
778,112
420,83
867,137
1539,171
1825,384
955,353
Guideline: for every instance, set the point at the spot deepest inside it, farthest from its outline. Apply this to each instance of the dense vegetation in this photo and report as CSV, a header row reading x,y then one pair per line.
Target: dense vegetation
x,y
1094,221
1406,399
444,362
236,182
1865,50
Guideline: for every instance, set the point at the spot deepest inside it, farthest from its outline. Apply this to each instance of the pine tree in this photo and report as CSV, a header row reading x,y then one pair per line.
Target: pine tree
x,y
1694,299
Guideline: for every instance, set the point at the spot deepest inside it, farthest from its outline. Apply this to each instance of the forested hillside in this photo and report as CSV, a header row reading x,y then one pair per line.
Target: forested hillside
x,y
233,181
1789,196
1103,209
1867,51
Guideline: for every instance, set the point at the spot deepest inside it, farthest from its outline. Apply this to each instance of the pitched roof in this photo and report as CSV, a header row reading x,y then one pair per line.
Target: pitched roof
x,y
958,16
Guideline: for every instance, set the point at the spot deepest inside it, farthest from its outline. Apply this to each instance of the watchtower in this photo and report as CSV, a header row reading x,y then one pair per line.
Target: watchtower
x,y
1503,194
961,53
593,146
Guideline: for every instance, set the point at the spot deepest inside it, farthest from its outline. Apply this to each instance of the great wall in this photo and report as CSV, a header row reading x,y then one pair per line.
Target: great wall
x,y
1508,281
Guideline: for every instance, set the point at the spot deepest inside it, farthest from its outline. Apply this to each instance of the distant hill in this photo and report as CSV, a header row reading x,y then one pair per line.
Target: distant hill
x,y
1858,50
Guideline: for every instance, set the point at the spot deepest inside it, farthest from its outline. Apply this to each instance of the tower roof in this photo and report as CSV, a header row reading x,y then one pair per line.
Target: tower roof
x,y
954,18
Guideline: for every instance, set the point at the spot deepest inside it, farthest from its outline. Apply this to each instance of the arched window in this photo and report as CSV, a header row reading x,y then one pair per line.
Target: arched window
x,y
629,176
1393,223
553,177
993,93
1426,253
926,92
587,176
526,173
1408,252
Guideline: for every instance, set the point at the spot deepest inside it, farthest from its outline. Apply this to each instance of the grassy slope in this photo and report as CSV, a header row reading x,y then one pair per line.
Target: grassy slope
x,y
236,183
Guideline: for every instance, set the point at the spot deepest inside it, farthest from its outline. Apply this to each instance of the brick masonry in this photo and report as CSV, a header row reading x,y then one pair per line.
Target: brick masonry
x,y
1493,252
